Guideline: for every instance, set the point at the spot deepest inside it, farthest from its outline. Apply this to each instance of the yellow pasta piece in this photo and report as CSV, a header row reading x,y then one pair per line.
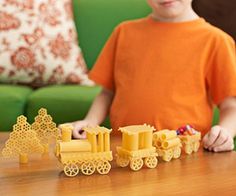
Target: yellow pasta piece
x,y
75,146
168,135
170,143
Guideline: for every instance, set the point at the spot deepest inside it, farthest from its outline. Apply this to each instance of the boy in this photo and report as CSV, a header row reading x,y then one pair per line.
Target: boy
x,y
167,70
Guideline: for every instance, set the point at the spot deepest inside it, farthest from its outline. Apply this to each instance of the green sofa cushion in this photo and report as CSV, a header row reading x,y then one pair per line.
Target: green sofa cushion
x,y
65,103
216,116
12,104
95,20
235,144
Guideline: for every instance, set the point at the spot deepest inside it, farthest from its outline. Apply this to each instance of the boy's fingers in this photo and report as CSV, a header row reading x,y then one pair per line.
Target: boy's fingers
x,y
75,134
220,140
211,137
227,146
79,134
78,127
82,135
205,140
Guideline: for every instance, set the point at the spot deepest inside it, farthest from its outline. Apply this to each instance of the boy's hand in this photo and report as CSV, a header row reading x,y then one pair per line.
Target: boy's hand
x,y
218,139
78,126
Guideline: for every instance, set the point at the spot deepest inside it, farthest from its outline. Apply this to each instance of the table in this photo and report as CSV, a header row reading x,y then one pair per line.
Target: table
x,y
202,173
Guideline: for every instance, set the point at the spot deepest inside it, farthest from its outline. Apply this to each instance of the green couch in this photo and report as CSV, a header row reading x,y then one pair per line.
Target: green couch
x,y
95,20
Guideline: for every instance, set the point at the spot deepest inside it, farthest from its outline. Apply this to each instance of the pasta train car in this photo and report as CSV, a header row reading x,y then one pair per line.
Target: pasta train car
x,y
86,155
136,147
168,144
190,138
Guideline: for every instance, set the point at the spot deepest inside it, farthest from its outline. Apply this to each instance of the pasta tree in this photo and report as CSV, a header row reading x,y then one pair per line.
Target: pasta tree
x,y
45,128
22,141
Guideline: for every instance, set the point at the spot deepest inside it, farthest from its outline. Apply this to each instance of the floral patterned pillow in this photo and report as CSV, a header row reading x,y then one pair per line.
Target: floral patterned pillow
x,y
38,43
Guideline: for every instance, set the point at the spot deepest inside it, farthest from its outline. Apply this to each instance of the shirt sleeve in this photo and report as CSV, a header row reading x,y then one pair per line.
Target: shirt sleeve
x,y
221,76
102,72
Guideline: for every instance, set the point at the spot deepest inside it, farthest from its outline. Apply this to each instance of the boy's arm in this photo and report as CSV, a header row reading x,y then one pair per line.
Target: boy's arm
x,y
96,115
228,115
100,107
220,137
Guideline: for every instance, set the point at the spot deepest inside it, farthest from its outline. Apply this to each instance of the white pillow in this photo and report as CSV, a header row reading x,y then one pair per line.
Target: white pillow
x,y
38,43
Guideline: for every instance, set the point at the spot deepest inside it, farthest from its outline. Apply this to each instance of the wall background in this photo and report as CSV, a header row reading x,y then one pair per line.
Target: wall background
x,y
221,13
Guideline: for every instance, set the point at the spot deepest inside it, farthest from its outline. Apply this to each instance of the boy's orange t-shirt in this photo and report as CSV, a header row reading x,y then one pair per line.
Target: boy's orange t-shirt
x,y
166,74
